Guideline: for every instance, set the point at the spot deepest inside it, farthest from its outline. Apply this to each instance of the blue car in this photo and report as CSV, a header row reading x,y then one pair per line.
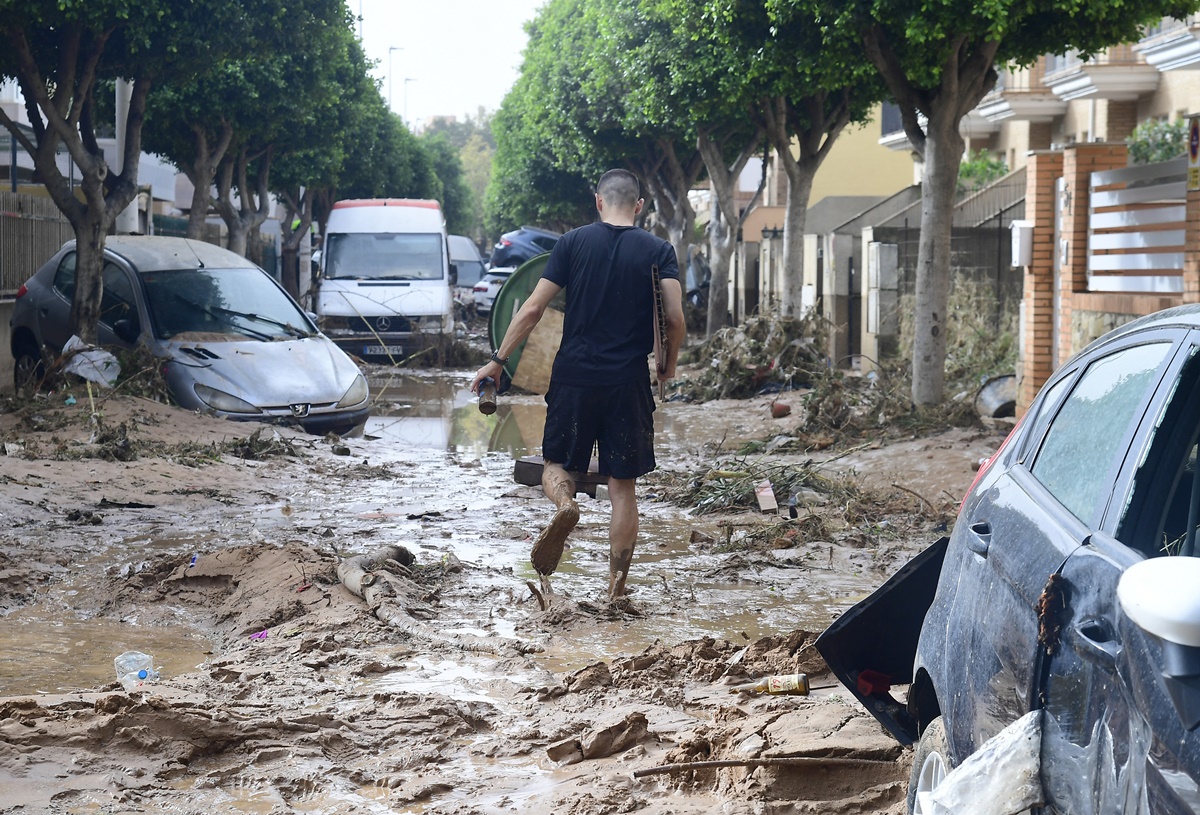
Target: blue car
x,y
1070,585
518,246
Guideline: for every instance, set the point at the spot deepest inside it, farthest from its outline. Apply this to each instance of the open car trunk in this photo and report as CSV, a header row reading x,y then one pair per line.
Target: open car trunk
x,y
872,647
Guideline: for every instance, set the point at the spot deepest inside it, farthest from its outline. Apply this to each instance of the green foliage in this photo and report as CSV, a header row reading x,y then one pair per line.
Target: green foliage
x,y
1157,140
456,197
980,169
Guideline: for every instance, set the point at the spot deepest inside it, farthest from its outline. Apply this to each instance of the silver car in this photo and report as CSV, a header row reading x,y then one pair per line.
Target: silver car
x,y
233,342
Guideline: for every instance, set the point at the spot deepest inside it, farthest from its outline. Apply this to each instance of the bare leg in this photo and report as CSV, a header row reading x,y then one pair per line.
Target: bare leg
x,y
548,548
622,533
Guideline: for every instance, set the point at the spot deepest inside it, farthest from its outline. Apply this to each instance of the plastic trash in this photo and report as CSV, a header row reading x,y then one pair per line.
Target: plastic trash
x,y
135,669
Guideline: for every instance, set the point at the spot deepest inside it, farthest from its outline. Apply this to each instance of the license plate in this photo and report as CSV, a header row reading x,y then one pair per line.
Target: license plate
x,y
384,350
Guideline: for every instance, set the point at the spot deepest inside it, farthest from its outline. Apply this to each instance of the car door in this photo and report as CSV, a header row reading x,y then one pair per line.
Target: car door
x,y
54,310
1046,502
1113,742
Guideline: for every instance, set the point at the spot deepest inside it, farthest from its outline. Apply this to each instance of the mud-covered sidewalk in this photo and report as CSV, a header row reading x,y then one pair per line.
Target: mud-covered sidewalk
x,y
216,548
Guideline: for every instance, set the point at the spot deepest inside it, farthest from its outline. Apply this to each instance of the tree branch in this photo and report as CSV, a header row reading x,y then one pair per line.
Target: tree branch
x,y
907,96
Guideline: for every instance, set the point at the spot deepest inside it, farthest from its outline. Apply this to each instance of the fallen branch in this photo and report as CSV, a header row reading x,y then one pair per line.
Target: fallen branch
x,y
918,496
787,761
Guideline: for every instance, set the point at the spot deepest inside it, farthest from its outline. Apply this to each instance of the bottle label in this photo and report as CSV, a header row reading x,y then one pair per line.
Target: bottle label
x,y
787,683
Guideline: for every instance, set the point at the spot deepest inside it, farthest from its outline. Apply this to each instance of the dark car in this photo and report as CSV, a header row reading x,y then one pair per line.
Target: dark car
x,y
518,246
232,342
1070,585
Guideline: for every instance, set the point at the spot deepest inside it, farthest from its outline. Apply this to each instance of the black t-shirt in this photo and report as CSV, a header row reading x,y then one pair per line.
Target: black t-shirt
x,y
608,329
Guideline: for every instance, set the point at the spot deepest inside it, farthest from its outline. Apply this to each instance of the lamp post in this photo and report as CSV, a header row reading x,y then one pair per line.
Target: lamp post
x,y
391,48
407,79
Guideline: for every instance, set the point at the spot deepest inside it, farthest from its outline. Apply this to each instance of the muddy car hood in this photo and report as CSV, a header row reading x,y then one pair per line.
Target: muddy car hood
x,y
873,646
310,370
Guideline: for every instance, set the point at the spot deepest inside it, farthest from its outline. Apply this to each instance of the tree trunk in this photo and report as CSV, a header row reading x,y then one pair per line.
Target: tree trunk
x,y
60,112
823,124
669,180
800,181
943,153
725,222
967,74
251,209
722,239
201,173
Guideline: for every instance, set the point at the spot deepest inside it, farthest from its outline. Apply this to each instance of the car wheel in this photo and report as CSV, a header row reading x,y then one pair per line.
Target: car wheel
x,y
931,765
28,368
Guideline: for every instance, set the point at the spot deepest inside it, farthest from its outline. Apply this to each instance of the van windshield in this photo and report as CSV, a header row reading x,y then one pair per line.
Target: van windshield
x,y
384,256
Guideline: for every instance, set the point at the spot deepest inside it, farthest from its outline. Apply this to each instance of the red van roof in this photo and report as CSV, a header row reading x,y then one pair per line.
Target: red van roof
x,y
388,202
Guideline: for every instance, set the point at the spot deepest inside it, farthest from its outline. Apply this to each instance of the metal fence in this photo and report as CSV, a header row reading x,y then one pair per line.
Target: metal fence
x,y
31,230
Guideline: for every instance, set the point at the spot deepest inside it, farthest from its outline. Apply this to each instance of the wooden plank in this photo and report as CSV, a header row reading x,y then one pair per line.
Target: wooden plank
x,y
537,357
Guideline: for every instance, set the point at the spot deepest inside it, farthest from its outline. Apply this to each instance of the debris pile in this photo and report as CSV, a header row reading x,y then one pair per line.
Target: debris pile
x,y
767,353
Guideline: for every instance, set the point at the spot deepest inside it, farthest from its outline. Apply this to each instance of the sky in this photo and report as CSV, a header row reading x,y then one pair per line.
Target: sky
x,y
451,57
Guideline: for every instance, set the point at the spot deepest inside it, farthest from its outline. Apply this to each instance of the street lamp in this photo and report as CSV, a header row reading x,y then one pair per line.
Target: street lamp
x,y
407,79
391,48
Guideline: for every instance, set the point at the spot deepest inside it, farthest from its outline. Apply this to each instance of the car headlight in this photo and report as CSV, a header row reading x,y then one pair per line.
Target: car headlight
x,y
224,402
356,394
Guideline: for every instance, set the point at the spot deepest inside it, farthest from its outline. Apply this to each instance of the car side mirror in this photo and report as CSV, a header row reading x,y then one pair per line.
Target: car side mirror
x,y
1159,596
127,330
453,274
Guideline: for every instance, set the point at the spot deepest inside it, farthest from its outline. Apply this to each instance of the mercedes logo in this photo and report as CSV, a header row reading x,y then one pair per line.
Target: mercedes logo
x,y
383,323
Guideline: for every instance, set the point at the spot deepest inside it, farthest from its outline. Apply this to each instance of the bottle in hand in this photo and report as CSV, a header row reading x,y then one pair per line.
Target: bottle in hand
x,y
778,685
487,396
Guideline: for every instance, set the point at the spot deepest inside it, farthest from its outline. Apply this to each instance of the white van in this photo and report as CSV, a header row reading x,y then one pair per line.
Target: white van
x,y
386,278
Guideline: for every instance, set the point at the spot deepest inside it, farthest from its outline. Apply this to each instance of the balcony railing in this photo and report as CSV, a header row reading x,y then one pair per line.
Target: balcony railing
x,y
1057,64
1169,26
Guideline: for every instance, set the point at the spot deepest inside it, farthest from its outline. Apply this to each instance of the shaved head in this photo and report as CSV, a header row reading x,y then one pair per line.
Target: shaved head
x,y
619,189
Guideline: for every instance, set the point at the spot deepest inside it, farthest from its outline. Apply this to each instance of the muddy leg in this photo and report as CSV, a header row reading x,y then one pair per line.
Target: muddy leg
x,y
622,533
548,548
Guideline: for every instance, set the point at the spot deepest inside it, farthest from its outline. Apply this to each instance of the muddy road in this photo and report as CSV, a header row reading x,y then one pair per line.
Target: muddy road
x,y
216,549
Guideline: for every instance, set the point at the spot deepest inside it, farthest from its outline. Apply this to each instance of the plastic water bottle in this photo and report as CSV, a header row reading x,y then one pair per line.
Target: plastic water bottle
x,y
135,669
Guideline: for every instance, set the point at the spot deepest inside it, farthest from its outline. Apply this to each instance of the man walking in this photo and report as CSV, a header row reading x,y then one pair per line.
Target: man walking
x,y
600,384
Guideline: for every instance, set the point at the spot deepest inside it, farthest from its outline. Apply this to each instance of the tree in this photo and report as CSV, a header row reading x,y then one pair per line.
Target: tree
x,y
1155,140
569,110
938,59
58,51
703,94
456,195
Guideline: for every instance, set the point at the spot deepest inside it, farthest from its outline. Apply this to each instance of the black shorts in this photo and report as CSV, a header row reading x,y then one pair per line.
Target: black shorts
x,y
620,418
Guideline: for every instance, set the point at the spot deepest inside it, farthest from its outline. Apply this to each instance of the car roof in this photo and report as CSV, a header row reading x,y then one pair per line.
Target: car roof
x,y
536,229
151,253
1186,316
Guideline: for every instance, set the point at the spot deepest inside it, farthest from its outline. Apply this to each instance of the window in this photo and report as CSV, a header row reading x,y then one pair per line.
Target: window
x,y
64,278
116,303
1164,502
1085,440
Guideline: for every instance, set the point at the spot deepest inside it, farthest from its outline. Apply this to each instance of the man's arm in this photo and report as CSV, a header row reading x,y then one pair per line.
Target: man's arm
x,y
672,294
522,325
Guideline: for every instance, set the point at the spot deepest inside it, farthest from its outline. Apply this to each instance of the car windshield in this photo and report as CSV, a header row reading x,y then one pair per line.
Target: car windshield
x,y
221,304
384,256
469,272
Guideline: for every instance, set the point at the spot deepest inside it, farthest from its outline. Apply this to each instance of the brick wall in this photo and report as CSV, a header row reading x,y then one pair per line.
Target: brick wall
x,y
1122,119
1037,357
